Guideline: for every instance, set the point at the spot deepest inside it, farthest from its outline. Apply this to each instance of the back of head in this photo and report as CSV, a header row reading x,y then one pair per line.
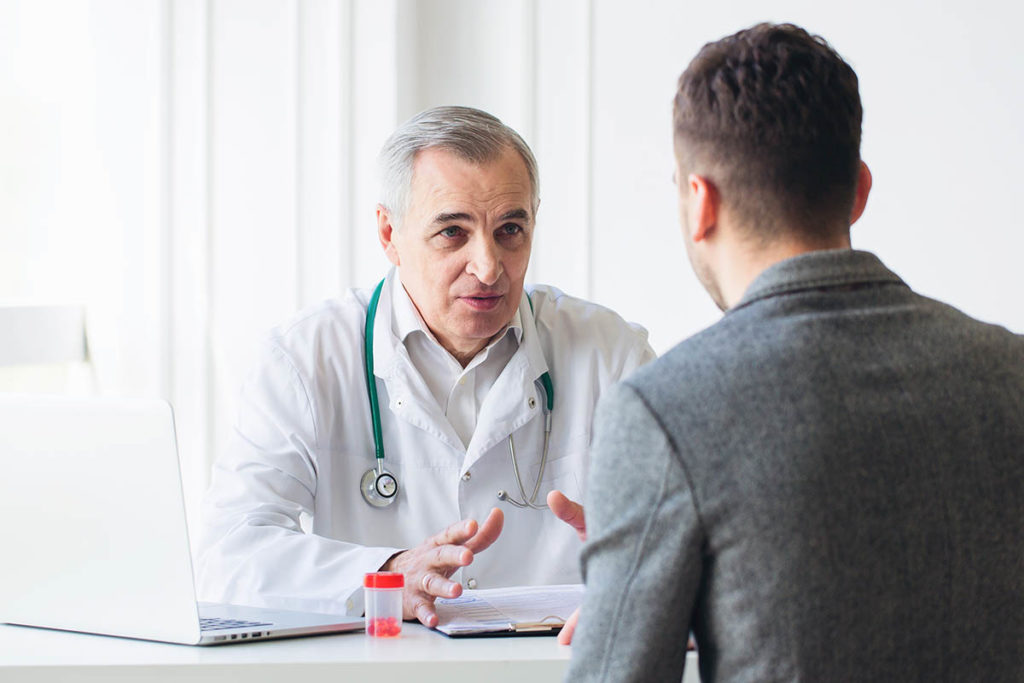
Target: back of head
x,y
772,116
468,133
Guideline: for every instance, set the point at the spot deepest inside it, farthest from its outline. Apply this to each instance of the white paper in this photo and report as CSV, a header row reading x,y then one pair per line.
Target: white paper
x,y
501,609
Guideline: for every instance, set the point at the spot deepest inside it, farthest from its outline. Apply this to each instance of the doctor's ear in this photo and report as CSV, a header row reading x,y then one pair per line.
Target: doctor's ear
x,y
385,233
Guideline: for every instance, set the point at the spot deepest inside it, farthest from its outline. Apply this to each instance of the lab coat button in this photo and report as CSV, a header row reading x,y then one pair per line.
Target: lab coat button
x,y
467,476
471,584
532,402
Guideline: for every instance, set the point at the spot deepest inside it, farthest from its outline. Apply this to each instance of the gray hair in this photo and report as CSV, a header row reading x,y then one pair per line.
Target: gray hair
x,y
471,134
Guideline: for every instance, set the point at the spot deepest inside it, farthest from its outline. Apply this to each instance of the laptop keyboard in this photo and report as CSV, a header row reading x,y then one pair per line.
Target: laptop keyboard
x,y
218,624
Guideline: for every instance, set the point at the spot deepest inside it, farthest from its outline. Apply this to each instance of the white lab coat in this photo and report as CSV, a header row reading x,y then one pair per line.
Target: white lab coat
x,y
284,524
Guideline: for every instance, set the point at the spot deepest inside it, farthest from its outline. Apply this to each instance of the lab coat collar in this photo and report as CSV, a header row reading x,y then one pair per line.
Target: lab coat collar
x,y
407,393
530,339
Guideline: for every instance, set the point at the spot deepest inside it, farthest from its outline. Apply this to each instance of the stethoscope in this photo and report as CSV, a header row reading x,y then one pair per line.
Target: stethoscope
x,y
380,487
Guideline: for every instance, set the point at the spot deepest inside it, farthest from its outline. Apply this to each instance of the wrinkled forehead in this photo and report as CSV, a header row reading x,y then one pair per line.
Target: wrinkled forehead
x,y
444,180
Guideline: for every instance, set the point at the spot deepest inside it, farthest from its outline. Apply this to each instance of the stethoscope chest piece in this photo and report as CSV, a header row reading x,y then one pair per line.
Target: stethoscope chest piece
x,y
379,487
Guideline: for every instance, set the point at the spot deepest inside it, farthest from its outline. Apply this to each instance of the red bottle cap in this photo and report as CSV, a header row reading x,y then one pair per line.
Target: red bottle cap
x,y
384,580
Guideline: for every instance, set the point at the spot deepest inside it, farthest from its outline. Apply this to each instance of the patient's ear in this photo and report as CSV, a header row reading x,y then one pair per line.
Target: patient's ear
x,y
860,200
703,205
386,233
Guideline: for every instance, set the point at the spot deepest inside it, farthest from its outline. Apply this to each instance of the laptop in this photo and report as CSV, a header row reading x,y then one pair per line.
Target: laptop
x,y
94,535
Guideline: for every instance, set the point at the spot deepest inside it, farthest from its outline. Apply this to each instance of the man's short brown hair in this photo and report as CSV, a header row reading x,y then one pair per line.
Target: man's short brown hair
x,y
772,116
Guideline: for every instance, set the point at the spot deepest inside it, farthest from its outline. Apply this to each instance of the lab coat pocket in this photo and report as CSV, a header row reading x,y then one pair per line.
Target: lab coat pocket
x,y
564,473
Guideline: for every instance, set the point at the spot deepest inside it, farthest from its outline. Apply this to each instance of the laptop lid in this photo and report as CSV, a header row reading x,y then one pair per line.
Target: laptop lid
x,y
94,533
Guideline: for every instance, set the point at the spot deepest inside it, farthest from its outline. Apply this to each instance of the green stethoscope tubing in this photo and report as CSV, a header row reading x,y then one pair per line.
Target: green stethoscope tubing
x,y
371,391
371,383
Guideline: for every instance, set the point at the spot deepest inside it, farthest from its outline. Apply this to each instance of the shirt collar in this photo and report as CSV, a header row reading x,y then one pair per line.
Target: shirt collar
x,y
822,269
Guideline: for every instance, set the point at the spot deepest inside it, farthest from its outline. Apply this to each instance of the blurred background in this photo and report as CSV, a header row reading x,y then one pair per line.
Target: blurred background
x,y
176,176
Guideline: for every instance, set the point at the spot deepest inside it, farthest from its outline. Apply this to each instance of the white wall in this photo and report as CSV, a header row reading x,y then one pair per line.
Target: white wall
x,y
942,85
194,170
81,170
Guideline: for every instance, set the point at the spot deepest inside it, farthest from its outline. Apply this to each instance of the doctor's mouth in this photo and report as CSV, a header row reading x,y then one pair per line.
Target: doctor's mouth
x,y
483,303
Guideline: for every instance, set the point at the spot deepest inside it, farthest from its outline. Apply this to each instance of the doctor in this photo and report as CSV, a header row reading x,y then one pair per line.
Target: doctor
x,y
484,396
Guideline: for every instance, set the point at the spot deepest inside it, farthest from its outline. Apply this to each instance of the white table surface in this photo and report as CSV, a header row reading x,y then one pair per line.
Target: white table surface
x,y
419,655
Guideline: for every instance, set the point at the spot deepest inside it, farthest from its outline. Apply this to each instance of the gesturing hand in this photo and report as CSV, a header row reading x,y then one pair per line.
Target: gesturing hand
x,y
571,513
428,565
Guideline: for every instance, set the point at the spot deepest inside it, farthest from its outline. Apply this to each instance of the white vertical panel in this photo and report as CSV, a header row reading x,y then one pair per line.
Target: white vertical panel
x,y
640,266
562,83
124,228
189,244
135,150
253,184
323,194
475,53
374,115
167,355
82,181
409,36
48,113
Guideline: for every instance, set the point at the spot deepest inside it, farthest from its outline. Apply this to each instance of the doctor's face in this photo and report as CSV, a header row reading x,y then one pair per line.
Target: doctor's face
x,y
463,246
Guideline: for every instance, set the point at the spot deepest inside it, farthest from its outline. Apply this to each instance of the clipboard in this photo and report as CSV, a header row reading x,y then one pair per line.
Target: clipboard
x,y
521,628
504,612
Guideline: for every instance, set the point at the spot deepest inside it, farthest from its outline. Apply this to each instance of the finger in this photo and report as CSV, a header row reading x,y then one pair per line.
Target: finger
x,y
448,558
438,586
569,512
424,611
565,635
488,533
456,534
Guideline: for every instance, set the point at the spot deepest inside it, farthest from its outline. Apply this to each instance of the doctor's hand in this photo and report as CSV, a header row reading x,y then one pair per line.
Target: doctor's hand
x,y
428,565
571,513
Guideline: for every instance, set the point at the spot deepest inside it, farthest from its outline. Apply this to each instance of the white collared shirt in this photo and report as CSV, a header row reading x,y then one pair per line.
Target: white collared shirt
x,y
459,391
284,524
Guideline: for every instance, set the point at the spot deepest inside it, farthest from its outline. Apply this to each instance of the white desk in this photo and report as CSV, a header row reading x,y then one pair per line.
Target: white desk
x,y
418,656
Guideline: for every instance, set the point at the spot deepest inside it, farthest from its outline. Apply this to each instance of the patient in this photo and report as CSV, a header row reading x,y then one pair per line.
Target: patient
x,y
827,484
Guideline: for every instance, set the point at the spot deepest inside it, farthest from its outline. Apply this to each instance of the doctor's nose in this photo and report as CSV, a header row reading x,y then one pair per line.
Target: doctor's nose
x,y
485,263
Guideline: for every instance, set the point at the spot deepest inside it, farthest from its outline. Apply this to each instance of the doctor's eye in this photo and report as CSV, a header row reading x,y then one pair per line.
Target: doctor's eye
x,y
510,229
451,231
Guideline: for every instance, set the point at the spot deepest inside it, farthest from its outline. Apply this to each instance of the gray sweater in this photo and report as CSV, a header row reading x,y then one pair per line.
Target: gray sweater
x,y
826,485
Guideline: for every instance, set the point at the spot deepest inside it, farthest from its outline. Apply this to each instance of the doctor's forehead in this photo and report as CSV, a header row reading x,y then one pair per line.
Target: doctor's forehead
x,y
448,186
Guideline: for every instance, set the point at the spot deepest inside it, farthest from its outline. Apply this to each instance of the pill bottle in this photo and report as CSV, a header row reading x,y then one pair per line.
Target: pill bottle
x,y
383,593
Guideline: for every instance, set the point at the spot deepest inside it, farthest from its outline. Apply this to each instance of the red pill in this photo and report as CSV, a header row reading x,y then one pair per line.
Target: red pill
x,y
384,627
